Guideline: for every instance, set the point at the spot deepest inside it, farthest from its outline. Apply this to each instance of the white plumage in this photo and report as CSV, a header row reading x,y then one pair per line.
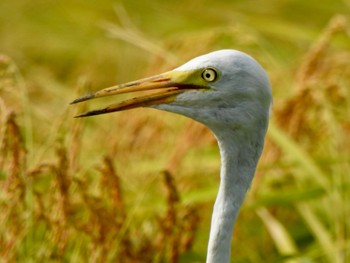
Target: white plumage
x,y
230,93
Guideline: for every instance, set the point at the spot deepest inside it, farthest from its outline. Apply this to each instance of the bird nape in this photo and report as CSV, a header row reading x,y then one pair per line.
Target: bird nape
x,y
229,92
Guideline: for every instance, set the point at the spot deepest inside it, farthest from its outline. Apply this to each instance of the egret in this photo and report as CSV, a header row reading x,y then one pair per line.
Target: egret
x,y
230,93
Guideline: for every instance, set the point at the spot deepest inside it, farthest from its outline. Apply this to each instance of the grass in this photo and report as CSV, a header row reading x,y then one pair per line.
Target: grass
x,y
139,186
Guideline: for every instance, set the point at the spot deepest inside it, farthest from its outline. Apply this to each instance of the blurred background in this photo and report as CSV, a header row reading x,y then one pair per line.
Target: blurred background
x,y
139,186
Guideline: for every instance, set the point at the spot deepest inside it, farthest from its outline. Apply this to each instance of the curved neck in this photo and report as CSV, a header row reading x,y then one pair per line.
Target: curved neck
x,y
238,164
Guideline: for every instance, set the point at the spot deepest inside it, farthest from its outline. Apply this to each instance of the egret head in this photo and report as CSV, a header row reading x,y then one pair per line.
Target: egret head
x,y
225,87
235,89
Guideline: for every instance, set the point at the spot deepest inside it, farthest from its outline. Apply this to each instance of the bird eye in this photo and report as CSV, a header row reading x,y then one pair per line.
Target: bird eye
x,y
209,74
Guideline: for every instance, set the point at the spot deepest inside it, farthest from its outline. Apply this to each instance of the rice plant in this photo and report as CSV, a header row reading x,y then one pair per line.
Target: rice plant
x,y
123,188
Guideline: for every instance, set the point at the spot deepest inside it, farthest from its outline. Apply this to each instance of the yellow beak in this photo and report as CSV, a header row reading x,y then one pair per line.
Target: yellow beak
x,y
171,84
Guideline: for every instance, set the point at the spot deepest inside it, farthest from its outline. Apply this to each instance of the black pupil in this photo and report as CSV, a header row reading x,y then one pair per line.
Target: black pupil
x,y
208,75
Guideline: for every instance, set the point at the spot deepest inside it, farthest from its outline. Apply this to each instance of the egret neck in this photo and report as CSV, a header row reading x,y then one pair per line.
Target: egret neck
x,y
228,91
240,152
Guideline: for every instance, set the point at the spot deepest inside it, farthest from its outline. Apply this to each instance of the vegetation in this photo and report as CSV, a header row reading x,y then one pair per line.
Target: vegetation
x,y
139,186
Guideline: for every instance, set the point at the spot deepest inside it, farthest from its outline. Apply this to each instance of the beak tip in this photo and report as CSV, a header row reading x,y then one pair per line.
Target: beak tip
x,y
79,116
92,113
84,98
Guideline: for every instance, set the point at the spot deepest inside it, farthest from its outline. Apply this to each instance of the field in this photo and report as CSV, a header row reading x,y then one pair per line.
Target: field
x,y
139,186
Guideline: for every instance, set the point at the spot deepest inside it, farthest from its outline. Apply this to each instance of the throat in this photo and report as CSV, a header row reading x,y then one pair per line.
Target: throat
x,y
238,165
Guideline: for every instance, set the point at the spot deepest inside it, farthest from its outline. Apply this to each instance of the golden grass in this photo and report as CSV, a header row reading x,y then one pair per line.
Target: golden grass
x,y
312,134
69,216
71,196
